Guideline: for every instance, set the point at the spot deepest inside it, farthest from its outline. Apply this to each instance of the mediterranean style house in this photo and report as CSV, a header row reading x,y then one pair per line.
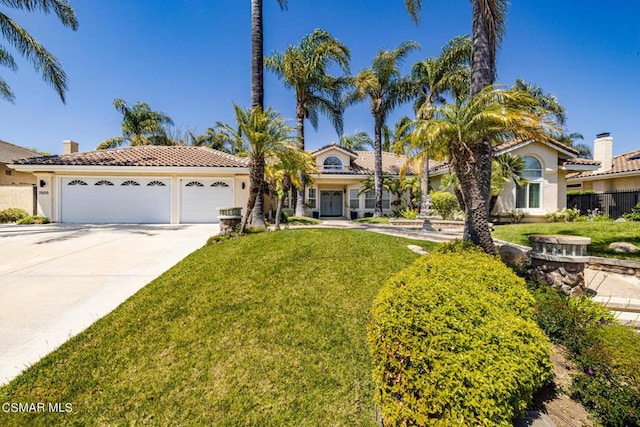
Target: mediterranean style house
x,y
186,184
614,173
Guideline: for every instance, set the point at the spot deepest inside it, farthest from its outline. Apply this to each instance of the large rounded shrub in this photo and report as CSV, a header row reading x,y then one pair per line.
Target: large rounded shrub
x,y
444,204
453,343
12,215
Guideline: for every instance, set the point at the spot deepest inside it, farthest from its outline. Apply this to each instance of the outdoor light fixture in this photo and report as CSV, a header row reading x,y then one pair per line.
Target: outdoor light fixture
x,y
243,185
43,183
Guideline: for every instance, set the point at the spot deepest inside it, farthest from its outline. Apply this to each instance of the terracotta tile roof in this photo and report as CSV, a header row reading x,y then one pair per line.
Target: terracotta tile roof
x,y
578,161
148,155
10,152
364,164
623,163
332,145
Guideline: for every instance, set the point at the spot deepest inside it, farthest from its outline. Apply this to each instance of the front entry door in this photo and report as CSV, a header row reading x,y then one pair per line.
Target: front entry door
x,y
331,203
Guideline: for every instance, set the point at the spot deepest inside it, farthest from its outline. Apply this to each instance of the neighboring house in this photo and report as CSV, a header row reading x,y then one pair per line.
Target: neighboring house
x,y
614,173
145,184
16,188
546,168
336,189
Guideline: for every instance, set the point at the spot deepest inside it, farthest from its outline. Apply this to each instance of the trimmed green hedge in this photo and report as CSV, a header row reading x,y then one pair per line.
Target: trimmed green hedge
x,y
453,343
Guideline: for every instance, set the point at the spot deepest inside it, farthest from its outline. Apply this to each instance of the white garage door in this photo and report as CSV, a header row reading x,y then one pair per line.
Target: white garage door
x,y
201,198
111,200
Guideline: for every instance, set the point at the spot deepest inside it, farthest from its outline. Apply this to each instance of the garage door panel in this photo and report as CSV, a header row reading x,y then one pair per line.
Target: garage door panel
x,y
107,200
201,198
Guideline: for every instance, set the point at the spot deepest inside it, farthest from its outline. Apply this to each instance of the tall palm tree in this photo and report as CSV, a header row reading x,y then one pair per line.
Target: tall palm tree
x,y
260,134
488,26
257,52
304,69
140,126
491,115
29,48
385,88
446,74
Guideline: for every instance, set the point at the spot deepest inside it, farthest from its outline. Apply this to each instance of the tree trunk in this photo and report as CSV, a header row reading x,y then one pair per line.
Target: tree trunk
x,y
475,183
257,67
378,165
300,208
279,202
256,177
492,203
473,166
425,203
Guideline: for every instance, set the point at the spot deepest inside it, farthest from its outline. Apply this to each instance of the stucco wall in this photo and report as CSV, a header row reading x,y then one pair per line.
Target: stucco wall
x,y
12,177
17,196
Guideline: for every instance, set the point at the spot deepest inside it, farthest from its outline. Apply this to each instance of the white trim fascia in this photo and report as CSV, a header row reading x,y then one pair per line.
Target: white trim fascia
x,y
334,147
606,176
138,170
530,141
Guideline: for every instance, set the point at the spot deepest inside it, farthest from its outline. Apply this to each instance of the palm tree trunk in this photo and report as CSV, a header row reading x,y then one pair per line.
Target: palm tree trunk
x,y
475,183
300,210
473,166
257,67
256,177
425,203
279,203
378,165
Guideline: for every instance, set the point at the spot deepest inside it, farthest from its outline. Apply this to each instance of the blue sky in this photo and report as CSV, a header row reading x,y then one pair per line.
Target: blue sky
x,y
191,59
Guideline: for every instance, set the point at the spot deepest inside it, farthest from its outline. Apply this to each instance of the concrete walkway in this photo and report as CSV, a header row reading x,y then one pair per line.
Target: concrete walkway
x,y
57,279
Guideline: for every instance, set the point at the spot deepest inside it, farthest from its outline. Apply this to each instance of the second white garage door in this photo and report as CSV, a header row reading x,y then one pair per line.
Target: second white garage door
x,y
201,198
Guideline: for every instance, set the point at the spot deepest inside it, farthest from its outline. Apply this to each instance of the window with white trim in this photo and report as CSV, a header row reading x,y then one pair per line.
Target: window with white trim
x,y
354,198
312,198
332,163
529,195
370,199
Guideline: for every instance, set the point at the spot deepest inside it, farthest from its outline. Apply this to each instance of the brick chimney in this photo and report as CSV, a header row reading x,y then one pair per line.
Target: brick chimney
x,y
603,151
69,146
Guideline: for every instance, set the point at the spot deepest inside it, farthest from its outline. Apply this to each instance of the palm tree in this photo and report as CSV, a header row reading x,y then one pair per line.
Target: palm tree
x,y
303,68
260,134
285,171
357,141
29,48
385,88
436,77
491,115
474,162
257,55
140,126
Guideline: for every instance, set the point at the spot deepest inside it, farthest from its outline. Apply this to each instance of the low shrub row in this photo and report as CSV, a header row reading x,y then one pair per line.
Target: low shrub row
x,y
12,215
607,354
454,342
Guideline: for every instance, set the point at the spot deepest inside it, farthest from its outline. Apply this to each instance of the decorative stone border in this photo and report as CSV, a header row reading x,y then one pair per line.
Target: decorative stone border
x,y
612,265
410,223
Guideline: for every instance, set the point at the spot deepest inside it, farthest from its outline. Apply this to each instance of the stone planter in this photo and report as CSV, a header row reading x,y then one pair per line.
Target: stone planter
x,y
407,223
353,215
559,261
229,219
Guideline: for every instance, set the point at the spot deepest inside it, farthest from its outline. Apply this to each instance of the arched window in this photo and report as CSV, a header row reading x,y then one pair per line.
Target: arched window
x,y
194,184
77,182
220,184
104,182
332,163
529,195
156,184
131,183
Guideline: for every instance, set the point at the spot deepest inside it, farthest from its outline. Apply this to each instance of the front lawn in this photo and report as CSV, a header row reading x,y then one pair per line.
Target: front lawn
x,y
267,329
602,234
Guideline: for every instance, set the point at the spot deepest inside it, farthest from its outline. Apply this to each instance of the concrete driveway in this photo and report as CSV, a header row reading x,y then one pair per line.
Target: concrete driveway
x,y
57,279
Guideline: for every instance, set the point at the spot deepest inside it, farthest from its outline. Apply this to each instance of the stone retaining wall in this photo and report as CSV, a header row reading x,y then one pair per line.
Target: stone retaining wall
x,y
620,266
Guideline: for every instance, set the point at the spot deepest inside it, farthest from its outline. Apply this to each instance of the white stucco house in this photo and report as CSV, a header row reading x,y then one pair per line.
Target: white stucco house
x,y
182,184
186,184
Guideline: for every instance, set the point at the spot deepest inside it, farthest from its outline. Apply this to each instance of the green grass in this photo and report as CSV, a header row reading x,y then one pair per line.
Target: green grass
x,y
267,329
303,220
372,220
602,234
